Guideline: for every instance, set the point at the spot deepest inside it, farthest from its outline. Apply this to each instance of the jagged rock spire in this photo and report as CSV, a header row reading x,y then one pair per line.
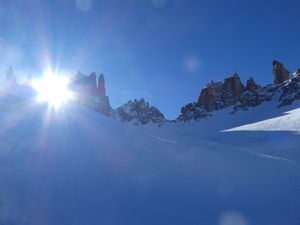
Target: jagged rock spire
x,y
92,83
251,85
101,85
139,112
233,85
280,73
91,92
218,95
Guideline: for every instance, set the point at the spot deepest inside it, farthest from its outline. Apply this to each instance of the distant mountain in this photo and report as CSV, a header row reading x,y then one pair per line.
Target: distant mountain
x,y
215,96
139,112
232,92
91,92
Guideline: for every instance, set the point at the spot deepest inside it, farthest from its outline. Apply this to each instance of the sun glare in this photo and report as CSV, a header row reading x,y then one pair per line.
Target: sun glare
x,y
53,89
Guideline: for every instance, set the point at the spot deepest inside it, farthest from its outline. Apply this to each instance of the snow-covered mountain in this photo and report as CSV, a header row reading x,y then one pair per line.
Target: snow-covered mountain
x,y
234,95
139,112
229,94
76,166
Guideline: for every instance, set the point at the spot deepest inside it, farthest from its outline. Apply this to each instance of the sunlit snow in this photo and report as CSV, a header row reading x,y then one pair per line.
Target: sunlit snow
x,y
289,121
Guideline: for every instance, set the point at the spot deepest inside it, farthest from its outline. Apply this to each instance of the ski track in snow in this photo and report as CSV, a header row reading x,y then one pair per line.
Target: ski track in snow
x,y
275,157
269,156
165,140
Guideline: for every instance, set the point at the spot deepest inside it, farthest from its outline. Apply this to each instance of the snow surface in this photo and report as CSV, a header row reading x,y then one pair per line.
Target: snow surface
x,y
77,167
290,121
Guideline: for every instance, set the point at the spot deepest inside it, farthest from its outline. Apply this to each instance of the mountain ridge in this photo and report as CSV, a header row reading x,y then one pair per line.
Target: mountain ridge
x,y
214,96
233,93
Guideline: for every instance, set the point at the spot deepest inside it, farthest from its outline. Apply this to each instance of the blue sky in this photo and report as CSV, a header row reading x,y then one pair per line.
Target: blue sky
x,y
162,50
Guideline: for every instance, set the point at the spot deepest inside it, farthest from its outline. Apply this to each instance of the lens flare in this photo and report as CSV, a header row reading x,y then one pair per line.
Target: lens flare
x,y
53,89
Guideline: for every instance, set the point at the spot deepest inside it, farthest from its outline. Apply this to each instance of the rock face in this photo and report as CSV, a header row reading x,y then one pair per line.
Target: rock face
x,y
256,97
193,111
104,104
139,112
214,96
290,91
250,97
251,85
211,96
89,94
280,73
218,95
101,85
231,92
91,83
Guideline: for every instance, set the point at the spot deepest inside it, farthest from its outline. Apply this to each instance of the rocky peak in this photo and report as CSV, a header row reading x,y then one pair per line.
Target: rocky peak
x,y
217,95
210,96
192,111
280,73
139,112
231,92
101,85
298,72
89,94
233,84
88,84
251,85
232,89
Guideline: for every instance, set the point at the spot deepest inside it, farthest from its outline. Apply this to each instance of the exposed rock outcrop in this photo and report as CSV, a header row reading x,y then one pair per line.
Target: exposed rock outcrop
x,y
214,96
218,95
101,85
290,91
89,94
231,92
211,96
280,73
256,97
104,105
250,97
92,85
251,85
139,112
193,111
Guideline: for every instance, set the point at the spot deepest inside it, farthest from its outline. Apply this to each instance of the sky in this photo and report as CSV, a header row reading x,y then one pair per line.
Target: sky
x,y
162,50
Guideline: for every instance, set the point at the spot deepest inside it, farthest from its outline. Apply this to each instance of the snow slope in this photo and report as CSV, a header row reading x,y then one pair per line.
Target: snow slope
x,y
287,122
76,167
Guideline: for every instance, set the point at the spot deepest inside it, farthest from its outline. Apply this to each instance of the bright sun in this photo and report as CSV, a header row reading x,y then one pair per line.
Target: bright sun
x,y
53,89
